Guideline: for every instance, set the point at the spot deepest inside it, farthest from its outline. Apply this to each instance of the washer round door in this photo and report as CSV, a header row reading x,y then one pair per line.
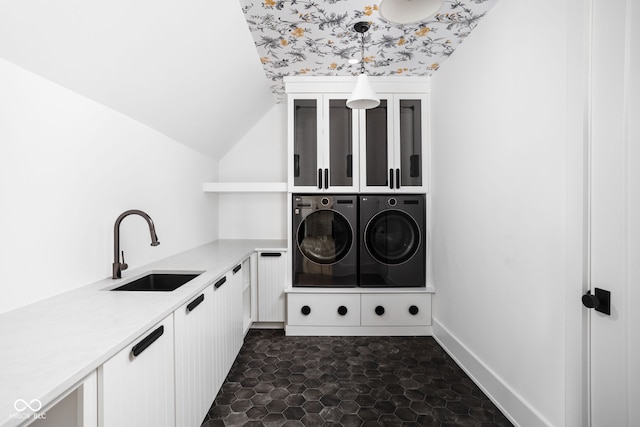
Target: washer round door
x,y
392,237
325,237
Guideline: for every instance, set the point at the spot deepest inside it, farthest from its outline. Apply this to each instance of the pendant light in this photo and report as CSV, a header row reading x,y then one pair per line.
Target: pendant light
x,y
363,96
408,11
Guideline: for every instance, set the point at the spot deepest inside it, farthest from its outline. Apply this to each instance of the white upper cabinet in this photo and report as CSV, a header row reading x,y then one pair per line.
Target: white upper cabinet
x,y
393,145
322,143
335,149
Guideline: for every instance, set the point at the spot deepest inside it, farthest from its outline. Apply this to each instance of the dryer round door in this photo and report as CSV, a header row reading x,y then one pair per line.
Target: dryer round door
x,y
325,237
392,237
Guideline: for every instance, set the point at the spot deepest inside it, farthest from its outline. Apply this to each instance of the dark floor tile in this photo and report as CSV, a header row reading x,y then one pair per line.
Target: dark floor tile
x,y
348,381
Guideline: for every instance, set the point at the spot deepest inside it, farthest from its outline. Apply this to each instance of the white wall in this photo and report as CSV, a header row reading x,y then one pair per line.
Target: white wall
x,y
499,192
68,168
259,157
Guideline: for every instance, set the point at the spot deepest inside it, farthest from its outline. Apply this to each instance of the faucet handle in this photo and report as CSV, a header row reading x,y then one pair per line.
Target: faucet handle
x,y
123,265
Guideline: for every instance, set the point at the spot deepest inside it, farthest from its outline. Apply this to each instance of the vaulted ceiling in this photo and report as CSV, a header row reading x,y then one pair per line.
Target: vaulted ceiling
x,y
204,72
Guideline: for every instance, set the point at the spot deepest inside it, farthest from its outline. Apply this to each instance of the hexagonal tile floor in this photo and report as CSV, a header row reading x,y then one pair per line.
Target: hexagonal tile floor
x,y
348,381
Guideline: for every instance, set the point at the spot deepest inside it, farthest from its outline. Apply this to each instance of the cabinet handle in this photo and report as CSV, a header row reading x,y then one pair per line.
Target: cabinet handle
x,y
391,179
271,254
379,310
326,179
414,310
296,165
220,282
342,310
319,179
196,302
349,165
237,268
305,310
147,341
398,178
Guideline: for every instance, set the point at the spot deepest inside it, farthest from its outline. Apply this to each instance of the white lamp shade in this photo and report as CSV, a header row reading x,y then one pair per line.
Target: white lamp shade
x,y
363,96
408,11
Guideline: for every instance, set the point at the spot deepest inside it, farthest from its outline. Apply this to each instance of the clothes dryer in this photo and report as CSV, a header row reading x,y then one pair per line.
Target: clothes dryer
x,y
392,240
325,249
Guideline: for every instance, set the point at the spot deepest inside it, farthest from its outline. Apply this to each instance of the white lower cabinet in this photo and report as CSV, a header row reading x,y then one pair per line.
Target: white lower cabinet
x,y
361,312
249,292
137,384
194,361
271,283
227,321
318,310
396,309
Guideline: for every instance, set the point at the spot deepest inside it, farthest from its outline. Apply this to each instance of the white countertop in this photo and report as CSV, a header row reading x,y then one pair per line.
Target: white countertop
x,y
49,346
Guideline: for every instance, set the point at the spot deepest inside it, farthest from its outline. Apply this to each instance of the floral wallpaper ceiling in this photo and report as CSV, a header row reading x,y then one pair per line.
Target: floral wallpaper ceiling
x,y
316,38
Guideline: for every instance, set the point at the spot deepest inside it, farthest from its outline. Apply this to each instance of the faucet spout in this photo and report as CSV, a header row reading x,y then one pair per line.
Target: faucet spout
x,y
118,266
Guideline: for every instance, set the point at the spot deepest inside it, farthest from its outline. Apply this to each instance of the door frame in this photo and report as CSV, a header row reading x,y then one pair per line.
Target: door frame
x,y
579,17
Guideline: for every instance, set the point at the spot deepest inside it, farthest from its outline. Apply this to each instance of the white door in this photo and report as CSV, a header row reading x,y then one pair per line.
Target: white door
x,y
615,212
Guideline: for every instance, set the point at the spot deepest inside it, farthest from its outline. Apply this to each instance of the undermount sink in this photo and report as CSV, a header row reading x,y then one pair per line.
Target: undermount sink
x,y
158,282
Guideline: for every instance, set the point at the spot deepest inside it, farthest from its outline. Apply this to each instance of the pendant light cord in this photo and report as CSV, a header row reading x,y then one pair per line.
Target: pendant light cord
x,y
362,71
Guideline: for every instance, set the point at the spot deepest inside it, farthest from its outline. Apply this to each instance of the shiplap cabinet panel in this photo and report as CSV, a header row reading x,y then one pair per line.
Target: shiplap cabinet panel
x,y
228,331
194,361
139,390
271,283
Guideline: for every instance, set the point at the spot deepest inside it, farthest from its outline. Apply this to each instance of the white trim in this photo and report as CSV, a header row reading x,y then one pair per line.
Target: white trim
x,y
358,331
358,290
512,405
576,399
345,84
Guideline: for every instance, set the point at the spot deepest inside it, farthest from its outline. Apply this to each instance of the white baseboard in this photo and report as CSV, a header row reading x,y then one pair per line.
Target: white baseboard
x,y
358,331
513,406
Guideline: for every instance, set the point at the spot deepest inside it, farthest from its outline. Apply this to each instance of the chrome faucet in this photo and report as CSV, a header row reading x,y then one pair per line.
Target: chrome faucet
x,y
117,265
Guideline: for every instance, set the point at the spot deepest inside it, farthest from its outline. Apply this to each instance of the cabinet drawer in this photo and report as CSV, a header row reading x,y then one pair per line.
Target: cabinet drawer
x,y
396,309
323,309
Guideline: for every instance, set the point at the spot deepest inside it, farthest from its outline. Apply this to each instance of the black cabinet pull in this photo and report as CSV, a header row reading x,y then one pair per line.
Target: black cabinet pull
x,y
196,302
147,341
296,165
349,165
379,310
326,179
305,310
398,178
220,282
237,268
276,254
320,179
391,179
342,310
414,310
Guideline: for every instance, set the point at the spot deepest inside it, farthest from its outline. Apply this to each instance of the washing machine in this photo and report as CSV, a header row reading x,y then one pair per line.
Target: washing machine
x,y
392,240
325,244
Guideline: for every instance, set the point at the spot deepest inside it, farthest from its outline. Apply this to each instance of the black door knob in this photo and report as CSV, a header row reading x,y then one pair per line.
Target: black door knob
x,y
342,310
600,300
305,310
413,310
590,301
379,310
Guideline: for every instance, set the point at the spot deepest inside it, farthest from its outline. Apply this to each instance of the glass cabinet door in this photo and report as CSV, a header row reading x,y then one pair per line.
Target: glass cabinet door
x,y
305,142
410,154
393,154
340,144
376,143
